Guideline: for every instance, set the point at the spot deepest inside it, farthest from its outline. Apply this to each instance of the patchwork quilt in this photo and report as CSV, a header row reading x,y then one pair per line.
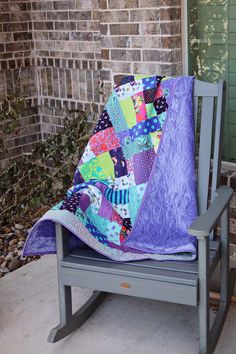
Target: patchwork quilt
x,y
134,192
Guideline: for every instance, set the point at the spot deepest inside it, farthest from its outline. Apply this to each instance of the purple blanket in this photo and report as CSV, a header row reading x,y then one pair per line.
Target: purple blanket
x,y
134,191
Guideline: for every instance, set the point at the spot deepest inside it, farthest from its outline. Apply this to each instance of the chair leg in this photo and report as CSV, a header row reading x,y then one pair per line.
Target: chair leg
x,y
65,303
224,281
227,278
203,308
209,337
68,321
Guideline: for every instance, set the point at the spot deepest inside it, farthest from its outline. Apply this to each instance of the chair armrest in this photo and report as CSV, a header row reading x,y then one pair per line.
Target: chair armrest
x,y
204,224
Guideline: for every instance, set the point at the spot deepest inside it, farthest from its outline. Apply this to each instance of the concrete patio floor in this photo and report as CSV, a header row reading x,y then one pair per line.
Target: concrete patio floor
x,y
121,325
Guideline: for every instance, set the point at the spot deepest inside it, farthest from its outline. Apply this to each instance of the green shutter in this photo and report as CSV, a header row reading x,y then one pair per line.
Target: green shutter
x,y
212,55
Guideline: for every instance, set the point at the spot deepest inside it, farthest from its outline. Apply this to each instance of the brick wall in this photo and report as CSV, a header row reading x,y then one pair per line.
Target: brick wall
x,y
66,37
83,47
140,37
17,73
67,54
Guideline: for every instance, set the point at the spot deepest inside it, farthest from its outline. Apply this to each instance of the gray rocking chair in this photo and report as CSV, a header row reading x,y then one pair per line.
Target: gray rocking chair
x,y
178,282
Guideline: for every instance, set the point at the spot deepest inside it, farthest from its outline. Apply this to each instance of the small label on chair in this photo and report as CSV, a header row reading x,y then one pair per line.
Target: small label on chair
x,y
125,285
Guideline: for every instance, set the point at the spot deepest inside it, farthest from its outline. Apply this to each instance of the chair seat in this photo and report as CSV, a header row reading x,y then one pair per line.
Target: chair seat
x,y
169,279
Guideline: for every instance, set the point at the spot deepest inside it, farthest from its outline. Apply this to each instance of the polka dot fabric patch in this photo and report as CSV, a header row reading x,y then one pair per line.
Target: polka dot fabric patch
x,y
143,165
149,83
145,127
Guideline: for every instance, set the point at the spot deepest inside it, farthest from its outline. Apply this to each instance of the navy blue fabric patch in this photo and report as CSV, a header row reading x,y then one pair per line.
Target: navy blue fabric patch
x,y
103,122
119,162
71,203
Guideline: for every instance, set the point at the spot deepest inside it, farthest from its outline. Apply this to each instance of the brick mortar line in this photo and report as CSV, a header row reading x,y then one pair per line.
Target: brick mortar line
x,y
136,22
102,36
140,49
78,22
21,146
114,48
92,21
46,20
137,35
24,136
98,9
139,61
140,9
67,99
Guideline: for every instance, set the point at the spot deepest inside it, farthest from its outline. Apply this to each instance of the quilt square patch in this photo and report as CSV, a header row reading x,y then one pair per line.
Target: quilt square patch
x,y
88,154
156,137
149,82
96,233
119,162
136,195
142,143
128,89
115,113
143,165
160,105
104,141
103,122
100,167
128,110
139,106
145,127
149,95
151,111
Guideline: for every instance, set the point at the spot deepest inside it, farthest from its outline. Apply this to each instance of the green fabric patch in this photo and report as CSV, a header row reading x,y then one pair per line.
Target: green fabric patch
x,y
127,107
151,112
155,139
100,167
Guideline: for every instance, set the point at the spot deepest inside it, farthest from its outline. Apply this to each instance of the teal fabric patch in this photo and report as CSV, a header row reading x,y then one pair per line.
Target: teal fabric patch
x,y
136,196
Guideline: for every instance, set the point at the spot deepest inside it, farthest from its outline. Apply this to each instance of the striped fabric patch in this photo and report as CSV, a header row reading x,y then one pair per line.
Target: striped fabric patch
x,y
117,196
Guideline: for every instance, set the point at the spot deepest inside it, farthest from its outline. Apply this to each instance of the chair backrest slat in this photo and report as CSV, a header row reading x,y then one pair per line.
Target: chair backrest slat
x,y
218,138
205,152
209,122
195,107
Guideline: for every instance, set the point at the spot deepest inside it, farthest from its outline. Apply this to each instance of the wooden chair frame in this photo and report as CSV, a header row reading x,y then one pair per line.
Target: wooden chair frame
x,y
179,282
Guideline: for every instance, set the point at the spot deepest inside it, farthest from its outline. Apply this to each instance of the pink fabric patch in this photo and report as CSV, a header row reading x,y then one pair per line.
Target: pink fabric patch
x,y
129,164
116,217
140,107
104,141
